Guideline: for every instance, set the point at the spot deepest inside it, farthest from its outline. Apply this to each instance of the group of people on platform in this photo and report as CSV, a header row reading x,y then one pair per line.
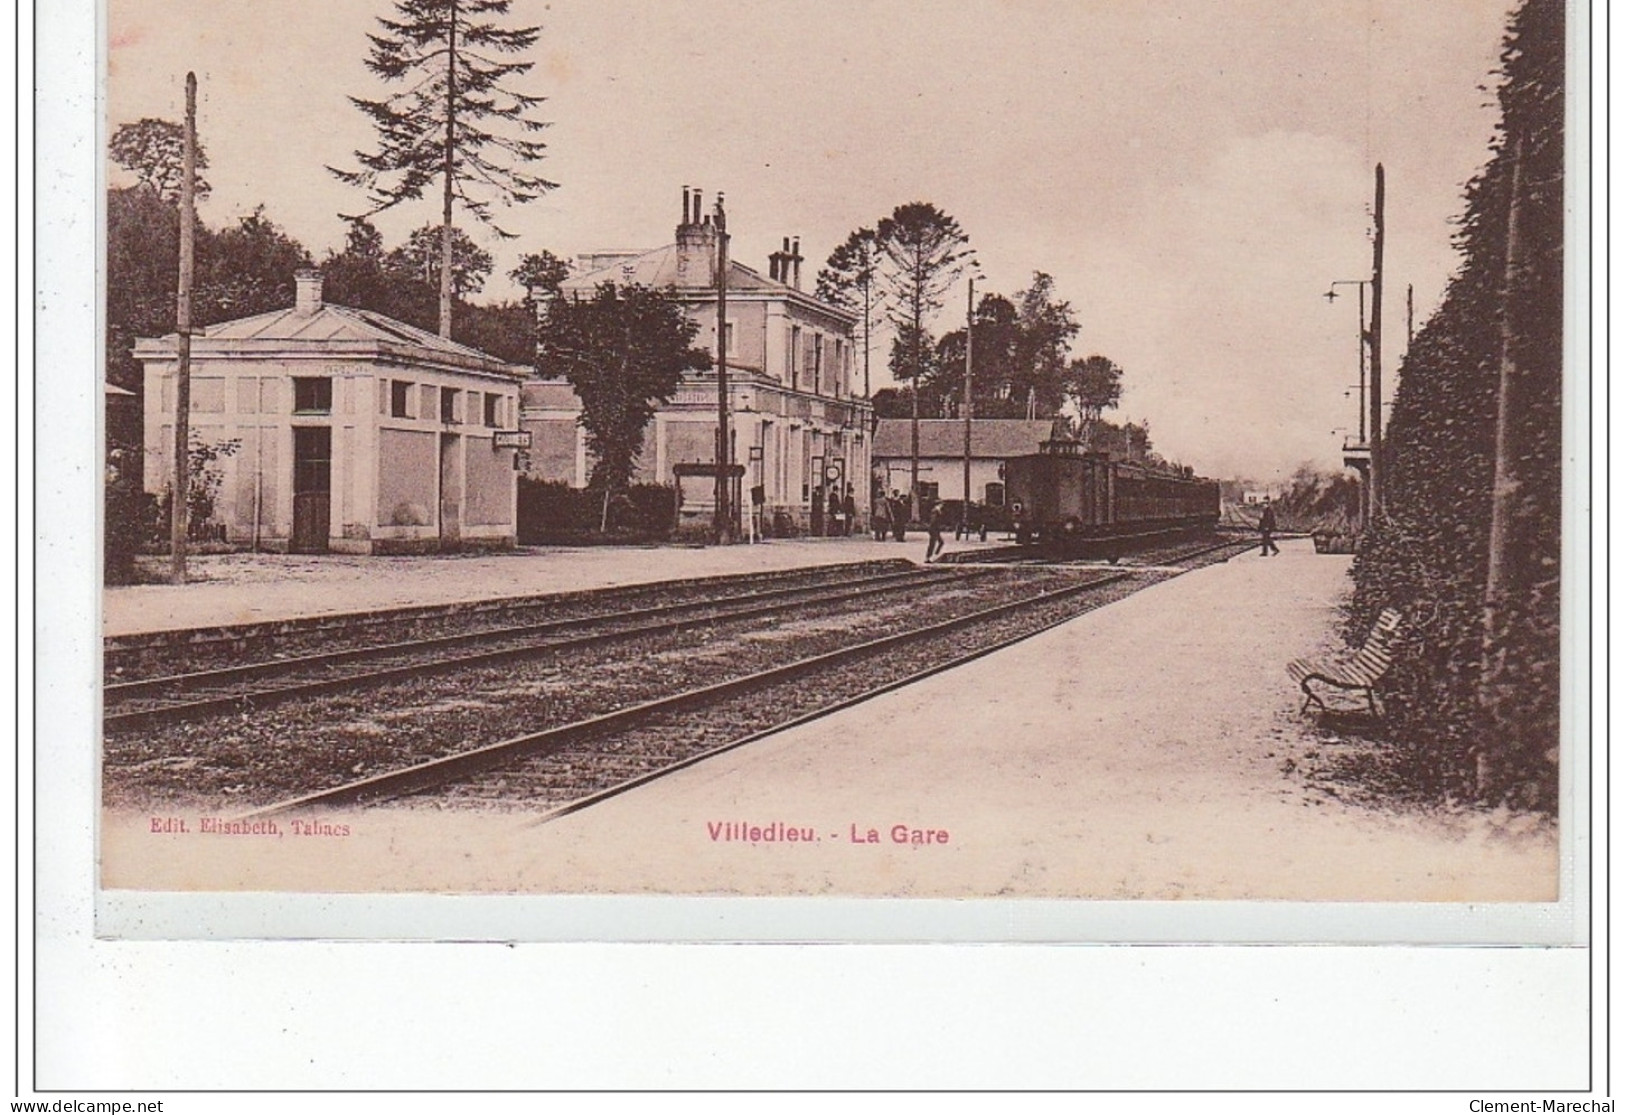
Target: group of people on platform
x,y
890,516
834,516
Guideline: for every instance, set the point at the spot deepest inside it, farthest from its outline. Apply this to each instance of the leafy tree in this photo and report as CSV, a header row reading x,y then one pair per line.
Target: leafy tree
x,y
994,326
923,251
241,270
894,402
143,247
540,271
506,330
851,278
1044,331
154,150
1095,384
924,378
1138,436
456,119
244,270
423,254
624,350
360,276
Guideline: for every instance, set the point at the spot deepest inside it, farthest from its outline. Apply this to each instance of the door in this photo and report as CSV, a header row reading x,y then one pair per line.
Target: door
x,y
451,488
312,488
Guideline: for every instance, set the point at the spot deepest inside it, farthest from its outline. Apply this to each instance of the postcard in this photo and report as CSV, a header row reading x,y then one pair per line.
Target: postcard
x,y
992,471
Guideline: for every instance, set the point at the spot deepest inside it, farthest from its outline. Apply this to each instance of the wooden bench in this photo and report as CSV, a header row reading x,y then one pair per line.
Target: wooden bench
x,y
1359,673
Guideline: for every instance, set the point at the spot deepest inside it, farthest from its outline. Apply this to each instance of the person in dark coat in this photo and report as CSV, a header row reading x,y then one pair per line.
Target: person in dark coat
x,y
1266,531
817,511
899,517
880,514
933,526
849,505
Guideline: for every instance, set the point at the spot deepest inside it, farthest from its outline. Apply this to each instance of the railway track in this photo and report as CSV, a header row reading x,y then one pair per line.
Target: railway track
x,y
1151,557
602,719
167,699
568,766
138,656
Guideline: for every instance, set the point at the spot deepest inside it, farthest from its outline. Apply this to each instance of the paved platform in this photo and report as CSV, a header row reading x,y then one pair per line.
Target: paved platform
x,y
1148,750
253,588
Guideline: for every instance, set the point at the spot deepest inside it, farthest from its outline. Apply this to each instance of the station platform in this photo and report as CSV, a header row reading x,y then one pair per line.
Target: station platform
x,y
1151,749
253,588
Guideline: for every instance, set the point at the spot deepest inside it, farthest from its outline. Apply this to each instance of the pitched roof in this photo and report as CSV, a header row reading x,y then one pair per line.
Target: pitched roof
x,y
338,330
658,268
997,438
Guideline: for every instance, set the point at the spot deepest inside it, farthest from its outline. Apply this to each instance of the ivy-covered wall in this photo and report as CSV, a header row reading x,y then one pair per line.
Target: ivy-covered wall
x,y
1469,542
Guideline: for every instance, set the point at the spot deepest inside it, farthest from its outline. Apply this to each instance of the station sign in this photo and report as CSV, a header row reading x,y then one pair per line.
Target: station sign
x,y
510,439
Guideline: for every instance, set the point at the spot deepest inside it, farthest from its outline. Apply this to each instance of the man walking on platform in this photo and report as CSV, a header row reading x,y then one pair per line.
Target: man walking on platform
x,y
933,544
1266,530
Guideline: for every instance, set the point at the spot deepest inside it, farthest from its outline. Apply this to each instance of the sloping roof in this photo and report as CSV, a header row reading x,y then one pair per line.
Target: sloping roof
x,y
997,438
336,329
658,268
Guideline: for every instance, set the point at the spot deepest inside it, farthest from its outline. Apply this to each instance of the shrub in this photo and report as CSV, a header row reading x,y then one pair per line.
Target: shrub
x,y
553,511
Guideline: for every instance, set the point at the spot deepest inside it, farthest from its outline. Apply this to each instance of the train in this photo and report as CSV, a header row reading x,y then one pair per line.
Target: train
x,y
1067,500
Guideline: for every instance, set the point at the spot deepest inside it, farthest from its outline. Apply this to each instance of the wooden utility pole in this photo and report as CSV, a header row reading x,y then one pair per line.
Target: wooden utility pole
x,y
1499,587
723,524
1365,344
970,313
1376,354
914,424
183,344
1410,316
449,161
868,341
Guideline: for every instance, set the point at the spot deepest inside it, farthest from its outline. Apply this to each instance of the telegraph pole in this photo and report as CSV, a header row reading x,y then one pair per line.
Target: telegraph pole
x,y
1376,354
723,524
1501,577
1410,316
970,311
183,336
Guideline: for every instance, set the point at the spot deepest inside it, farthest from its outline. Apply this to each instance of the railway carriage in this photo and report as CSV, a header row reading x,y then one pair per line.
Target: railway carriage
x,y
1065,499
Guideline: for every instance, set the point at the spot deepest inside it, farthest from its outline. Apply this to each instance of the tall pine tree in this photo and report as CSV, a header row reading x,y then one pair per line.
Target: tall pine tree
x,y
851,278
922,253
457,119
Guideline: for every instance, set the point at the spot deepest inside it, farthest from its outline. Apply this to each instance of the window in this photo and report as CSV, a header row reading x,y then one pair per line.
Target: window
x,y
995,495
928,491
794,355
400,399
312,395
448,405
491,419
818,363
728,338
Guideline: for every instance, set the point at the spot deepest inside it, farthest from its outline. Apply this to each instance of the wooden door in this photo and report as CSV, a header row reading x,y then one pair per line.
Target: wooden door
x,y
312,488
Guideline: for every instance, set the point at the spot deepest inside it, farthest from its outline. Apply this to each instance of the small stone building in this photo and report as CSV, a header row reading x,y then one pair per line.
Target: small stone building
x,y
797,426
942,455
342,430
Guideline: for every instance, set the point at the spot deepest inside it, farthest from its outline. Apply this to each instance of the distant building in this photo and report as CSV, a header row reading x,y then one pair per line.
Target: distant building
x,y
354,432
796,424
942,455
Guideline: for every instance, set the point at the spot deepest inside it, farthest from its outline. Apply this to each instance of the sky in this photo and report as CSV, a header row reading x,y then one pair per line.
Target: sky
x,y
1193,173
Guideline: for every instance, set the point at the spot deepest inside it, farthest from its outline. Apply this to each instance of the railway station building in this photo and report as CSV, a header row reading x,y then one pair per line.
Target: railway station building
x,y
942,455
797,426
341,430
